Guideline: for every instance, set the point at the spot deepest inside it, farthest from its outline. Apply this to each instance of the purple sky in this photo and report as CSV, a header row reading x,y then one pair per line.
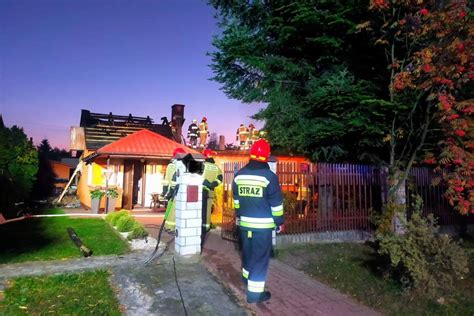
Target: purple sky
x,y
137,56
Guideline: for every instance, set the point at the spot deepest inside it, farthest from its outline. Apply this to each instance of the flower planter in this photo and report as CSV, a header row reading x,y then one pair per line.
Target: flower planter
x,y
95,205
111,204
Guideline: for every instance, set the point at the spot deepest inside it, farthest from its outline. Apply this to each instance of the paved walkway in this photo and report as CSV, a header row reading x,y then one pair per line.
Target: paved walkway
x,y
146,289
293,293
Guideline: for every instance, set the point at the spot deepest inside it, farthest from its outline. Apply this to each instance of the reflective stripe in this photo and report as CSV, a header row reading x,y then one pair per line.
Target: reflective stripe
x,y
278,213
255,222
256,225
253,179
252,183
277,208
245,273
249,234
257,157
256,219
236,204
256,287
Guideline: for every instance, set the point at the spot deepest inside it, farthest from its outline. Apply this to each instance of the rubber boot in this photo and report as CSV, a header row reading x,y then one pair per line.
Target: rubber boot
x,y
258,298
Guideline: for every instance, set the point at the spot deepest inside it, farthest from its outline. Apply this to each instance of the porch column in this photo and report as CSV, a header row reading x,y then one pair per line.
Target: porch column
x,y
189,215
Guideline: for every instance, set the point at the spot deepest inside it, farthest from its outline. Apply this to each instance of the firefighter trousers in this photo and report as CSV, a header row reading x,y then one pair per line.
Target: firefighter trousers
x,y
256,251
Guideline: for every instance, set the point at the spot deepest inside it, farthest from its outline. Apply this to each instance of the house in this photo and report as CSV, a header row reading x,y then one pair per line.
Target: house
x,y
128,152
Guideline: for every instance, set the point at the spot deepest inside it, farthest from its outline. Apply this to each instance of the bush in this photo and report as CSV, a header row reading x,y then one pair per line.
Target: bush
x,y
290,202
113,217
138,232
421,259
125,223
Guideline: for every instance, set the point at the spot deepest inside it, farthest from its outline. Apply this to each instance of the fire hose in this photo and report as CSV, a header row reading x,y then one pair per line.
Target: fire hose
x,y
169,207
155,254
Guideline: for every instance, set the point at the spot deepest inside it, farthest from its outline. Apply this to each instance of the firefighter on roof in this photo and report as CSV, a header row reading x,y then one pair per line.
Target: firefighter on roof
x,y
242,136
253,135
193,134
174,170
203,132
212,175
258,205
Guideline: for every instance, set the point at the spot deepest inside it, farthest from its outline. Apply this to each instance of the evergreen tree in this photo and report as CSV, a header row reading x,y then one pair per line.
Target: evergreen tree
x,y
304,59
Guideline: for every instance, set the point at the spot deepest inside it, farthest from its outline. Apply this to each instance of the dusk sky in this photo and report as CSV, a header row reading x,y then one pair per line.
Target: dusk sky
x,y
137,56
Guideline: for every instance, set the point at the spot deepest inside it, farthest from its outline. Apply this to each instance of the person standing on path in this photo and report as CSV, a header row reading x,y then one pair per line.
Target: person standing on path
x,y
212,175
258,204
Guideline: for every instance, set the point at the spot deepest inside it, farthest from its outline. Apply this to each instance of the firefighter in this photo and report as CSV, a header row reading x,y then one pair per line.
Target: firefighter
x,y
262,134
174,170
212,175
253,135
203,132
193,133
258,204
242,136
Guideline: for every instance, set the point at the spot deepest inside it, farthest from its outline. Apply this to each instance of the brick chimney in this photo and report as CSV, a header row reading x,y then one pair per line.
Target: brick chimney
x,y
177,121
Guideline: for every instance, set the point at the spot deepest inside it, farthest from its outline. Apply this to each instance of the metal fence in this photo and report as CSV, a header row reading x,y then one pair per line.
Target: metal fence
x,y
336,197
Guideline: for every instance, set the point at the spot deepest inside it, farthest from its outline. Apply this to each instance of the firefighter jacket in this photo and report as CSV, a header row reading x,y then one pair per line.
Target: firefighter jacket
x,y
193,130
257,196
174,170
212,176
203,128
242,133
254,134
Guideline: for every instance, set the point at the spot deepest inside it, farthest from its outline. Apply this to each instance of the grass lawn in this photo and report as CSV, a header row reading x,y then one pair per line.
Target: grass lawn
x,y
47,239
350,268
86,293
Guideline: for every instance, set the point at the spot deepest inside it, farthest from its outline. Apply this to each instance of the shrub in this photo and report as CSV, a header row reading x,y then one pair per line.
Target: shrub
x,y
138,231
290,202
113,217
125,223
421,259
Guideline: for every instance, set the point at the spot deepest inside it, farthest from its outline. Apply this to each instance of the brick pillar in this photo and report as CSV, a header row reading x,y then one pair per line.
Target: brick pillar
x,y
188,215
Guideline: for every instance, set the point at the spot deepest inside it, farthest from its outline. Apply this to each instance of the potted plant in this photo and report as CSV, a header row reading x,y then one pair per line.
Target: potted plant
x,y
96,194
112,194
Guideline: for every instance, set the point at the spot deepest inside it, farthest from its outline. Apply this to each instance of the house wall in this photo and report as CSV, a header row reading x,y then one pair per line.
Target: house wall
x,y
94,175
61,171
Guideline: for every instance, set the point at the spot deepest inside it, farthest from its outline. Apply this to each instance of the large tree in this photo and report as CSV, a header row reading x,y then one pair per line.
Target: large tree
x,y
334,77
18,167
305,61
429,49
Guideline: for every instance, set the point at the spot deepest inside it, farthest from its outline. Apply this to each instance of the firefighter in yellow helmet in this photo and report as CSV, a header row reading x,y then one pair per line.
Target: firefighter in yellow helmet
x,y
203,132
253,135
212,175
242,136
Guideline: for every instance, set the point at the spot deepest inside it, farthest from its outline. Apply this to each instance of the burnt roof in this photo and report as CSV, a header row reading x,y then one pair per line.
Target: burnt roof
x,y
103,129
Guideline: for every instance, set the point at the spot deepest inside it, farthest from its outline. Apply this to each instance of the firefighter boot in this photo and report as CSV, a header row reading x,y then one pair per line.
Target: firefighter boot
x,y
258,298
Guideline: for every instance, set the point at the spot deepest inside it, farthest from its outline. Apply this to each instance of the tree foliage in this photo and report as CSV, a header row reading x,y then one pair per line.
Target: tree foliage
x,y
430,53
18,166
303,58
